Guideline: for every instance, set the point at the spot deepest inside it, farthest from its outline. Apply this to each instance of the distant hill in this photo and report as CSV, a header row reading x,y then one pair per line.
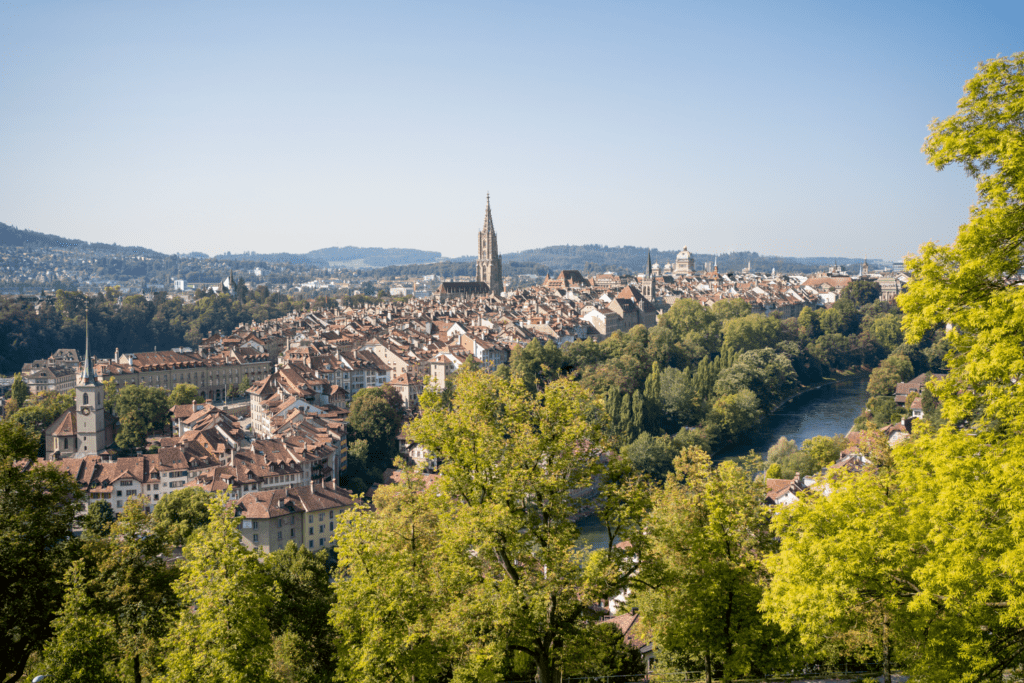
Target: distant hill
x,y
11,236
345,257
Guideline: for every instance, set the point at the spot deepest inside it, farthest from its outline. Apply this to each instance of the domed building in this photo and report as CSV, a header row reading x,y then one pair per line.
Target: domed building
x,y
684,263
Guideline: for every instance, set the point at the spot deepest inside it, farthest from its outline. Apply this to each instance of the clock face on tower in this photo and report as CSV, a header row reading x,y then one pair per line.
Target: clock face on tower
x,y
85,410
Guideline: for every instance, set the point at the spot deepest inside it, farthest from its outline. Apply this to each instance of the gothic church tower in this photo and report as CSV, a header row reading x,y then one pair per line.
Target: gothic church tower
x,y
488,263
91,419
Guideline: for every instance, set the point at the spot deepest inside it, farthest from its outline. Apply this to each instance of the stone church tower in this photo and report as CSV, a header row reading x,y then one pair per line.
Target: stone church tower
x,y
488,263
91,418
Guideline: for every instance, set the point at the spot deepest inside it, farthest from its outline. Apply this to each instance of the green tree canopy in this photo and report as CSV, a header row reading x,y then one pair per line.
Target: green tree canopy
x,y
709,533
184,394
179,513
37,508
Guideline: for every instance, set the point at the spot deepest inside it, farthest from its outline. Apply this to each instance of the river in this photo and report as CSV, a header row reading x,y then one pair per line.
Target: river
x,y
828,410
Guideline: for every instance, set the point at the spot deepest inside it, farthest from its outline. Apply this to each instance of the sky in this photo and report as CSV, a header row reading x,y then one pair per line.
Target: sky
x,y
786,128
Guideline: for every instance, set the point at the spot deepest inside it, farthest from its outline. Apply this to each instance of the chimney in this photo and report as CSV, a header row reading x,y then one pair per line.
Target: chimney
x,y
311,486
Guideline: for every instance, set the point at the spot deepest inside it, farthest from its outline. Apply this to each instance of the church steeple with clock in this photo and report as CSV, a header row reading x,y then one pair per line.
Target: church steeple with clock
x,y
90,418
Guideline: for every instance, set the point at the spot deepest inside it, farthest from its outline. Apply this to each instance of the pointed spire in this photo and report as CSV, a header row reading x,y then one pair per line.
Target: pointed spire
x,y
88,375
648,263
488,223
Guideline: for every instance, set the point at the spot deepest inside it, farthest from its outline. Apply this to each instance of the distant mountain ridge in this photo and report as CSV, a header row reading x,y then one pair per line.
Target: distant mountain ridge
x,y
11,236
346,257
589,258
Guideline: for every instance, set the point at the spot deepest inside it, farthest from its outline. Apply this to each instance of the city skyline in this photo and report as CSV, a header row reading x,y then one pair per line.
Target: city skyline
x,y
793,131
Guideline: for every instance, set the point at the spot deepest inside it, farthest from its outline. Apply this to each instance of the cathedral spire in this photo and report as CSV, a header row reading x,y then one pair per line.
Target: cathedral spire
x,y
88,375
648,263
488,223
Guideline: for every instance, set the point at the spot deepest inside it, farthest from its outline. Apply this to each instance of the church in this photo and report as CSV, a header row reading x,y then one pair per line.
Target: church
x,y
88,429
488,267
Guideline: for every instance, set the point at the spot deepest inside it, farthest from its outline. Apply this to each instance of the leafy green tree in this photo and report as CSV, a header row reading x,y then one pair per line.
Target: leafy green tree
x,y
374,419
225,636
680,397
37,508
600,651
514,572
388,611
861,292
178,514
695,326
886,329
823,450
299,617
808,323
651,455
140,410
768,374
19,391
184,394
733,415
883,381
97,520
774,471
128,593
709,532
782,449
727,309
536,363
842,318
751,332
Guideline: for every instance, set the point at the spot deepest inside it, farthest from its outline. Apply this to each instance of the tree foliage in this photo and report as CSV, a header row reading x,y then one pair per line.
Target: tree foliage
x,y
709,533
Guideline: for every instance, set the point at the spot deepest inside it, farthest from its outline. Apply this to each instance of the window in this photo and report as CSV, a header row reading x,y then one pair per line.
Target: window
x,y
321,516
279,523
255,524
321,542
156,497
120,503
255,538
118,495
85,399
321,528
332,526
311,544
310,531
279,536
292,534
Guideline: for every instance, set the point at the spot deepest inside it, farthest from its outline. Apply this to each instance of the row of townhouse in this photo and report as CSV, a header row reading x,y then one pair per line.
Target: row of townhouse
x,y
213,375
214,453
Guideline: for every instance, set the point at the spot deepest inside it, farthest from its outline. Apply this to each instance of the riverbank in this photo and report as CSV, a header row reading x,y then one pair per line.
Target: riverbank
x,y
829,407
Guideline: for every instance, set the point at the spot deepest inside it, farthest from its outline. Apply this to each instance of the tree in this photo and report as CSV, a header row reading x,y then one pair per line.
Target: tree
x,y
886,329
179,513
140,410
600,651
514,573
842,318
97,520
750,333
808,323
709,533
782,449
536,363
386,611
19,391
651,455
184,394
861,292
734,415
374,419
694,325
123,586
299,617
823,450
37,507
225,636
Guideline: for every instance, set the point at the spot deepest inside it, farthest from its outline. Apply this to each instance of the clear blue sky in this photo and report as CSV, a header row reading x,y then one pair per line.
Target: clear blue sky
x,y
784,128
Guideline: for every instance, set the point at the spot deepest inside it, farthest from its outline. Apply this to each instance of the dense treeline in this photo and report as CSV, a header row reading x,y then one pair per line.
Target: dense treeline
x,y
130,323
707,376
